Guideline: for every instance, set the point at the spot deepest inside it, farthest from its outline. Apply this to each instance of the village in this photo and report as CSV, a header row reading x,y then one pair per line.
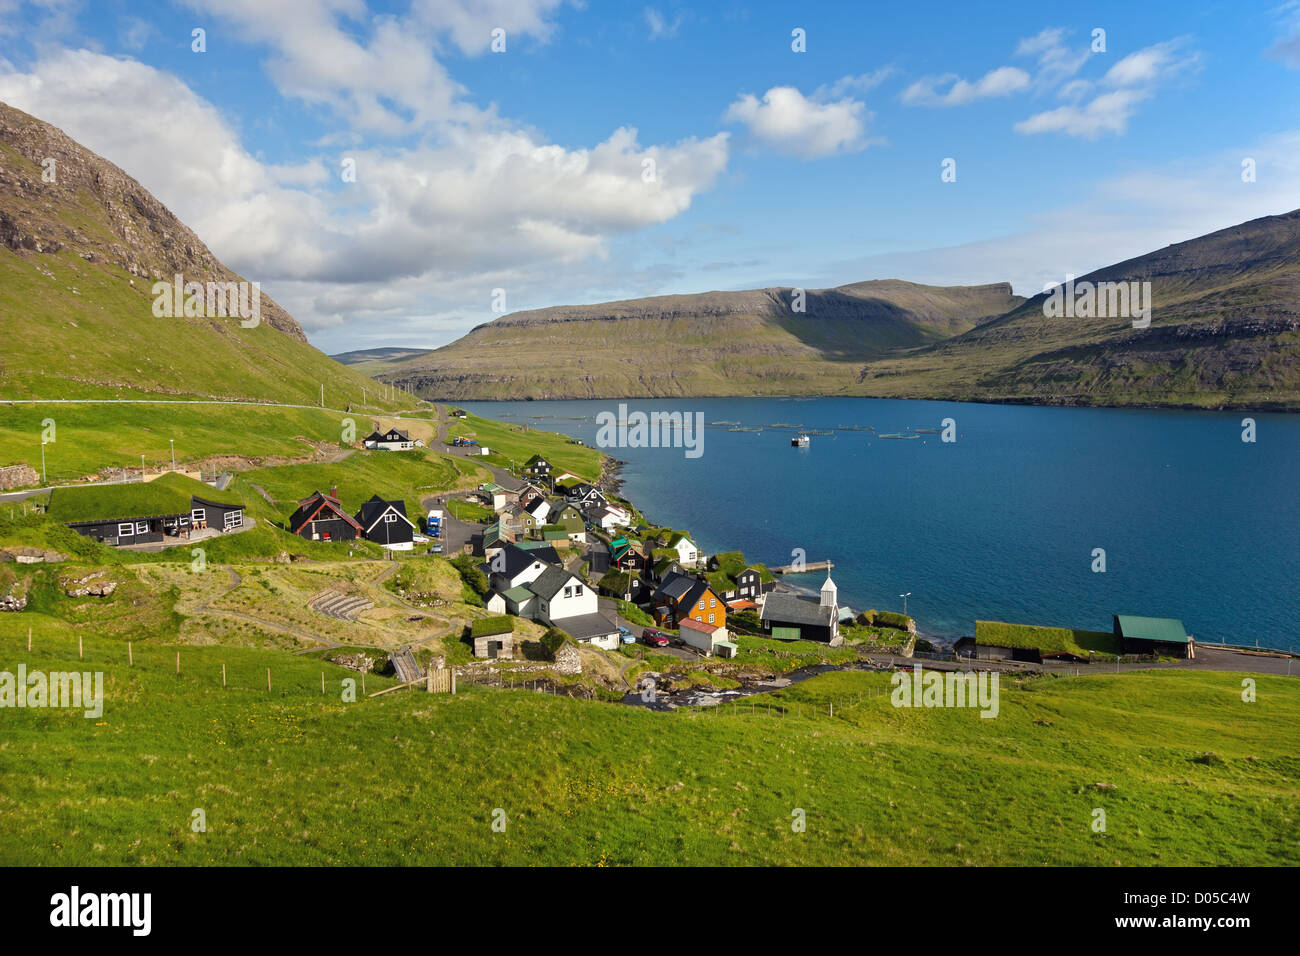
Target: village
x,y
547,552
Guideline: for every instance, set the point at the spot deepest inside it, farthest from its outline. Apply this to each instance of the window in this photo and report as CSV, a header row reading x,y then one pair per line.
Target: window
x,y
568,592
577,590
701,604
713,602
125,530
390,518
199,514
710,618
142,527
234,519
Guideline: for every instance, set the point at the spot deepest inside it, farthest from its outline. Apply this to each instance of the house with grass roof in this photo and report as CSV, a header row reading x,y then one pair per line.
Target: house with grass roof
x,y
173,507
1034,643
688,555
390,440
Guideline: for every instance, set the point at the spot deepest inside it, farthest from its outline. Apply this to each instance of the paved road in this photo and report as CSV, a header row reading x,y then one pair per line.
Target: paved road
x,y
1208,658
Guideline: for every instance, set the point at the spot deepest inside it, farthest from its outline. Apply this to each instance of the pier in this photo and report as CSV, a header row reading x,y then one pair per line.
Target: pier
x,y
805,569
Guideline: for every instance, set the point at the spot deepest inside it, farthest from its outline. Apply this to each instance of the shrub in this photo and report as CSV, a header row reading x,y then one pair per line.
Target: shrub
x,y
554,639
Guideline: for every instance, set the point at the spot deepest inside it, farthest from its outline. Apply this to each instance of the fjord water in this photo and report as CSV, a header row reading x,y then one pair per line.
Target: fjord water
x,y
1001,524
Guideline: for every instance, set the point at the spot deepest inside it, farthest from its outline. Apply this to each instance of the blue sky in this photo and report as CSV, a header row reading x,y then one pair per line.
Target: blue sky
x,y
524,170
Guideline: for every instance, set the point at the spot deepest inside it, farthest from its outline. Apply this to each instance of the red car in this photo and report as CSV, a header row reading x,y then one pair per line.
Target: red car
x,y
654,637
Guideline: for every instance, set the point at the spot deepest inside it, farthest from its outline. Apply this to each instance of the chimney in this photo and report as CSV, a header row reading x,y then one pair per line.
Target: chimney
x,y
334,493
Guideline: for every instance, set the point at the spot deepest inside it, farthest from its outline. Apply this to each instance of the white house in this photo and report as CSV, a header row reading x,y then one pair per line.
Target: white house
x,y
609,517
688,555
704,637
391,440
539,508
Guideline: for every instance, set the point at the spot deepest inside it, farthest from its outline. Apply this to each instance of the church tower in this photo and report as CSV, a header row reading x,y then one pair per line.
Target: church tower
x,y
830,594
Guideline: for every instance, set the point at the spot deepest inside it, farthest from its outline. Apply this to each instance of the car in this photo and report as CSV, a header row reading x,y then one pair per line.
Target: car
x,y
626,636
436,549
654,637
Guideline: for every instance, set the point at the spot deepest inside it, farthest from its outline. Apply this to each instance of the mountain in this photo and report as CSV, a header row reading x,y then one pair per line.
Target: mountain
x,y
368,361
1224,332
713,343
81,246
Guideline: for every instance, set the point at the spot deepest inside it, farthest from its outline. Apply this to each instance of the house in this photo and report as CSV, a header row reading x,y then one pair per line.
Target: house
x,y
496,496
458,413
739,587
789,616
663,567
570,518
687,553
1034,643
1153,635
172,506
385,523
539,508
584,495
539,468
391,440
321,517
608,517
561,594
702,637
680,596
626,556
493,638
514,516
513,566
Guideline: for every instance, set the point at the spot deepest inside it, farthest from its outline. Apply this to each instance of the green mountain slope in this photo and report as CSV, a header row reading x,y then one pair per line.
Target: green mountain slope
x,y
1224,332
715,343
78,259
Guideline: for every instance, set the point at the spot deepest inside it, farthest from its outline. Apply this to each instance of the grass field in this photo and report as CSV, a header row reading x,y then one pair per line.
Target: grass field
x,y
1047,640
513,444
1194,775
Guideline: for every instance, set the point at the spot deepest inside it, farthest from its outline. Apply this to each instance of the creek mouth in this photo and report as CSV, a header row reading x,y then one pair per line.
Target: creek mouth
x,y
668,699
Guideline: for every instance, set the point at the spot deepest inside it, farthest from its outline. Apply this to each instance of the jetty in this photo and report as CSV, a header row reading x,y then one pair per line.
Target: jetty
x,y
805,568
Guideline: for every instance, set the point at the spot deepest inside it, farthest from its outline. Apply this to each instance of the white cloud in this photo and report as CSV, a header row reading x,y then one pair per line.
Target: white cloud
x,y
661,28
807,127
1002,81
423,224
1132,80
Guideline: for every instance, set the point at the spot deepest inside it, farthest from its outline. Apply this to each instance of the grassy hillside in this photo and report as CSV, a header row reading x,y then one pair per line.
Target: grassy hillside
x,y
716,343
1187,773
79,256
512,444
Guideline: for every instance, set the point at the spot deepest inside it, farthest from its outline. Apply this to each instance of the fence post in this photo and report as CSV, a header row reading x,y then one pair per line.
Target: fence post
x,y
29,638
178,663
223,674
130,655
79,651
322,682
268,680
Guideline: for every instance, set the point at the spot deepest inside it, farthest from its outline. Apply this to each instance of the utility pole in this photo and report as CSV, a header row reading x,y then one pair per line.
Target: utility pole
x,y
141,469
44,480
172,441
322,394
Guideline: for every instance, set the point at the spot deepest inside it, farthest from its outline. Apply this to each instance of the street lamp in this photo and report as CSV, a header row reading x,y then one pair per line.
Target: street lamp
x,y
905,597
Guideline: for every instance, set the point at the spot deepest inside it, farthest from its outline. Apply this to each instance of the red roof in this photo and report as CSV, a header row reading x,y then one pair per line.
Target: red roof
x,y
741,604
695,625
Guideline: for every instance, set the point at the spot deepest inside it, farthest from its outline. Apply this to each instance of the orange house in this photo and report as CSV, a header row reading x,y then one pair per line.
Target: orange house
x,y
681,596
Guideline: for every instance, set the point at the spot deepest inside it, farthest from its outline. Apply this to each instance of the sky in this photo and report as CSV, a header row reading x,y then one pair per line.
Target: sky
x,y
398,172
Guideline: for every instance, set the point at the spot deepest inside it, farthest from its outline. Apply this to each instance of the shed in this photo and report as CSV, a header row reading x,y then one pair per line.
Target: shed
x,y
1153,635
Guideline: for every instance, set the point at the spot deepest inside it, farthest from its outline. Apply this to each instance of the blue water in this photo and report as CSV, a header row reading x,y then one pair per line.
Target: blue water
x,y
1196,524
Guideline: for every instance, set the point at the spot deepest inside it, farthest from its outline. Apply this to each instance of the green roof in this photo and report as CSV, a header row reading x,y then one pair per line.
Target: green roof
x,y
530,545
1166,630
555,534
1045,640
519,595
168,495
487,626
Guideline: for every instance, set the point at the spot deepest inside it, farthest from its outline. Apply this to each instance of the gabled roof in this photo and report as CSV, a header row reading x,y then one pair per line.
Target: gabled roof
x,y
516,559
675,586
1166,630
536,505
677,538
374,510
785,607
535,461
694,625
547,584
312,506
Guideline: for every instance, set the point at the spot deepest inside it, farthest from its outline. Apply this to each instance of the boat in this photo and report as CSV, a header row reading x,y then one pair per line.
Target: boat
x,y
926,431
897,435
801,440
